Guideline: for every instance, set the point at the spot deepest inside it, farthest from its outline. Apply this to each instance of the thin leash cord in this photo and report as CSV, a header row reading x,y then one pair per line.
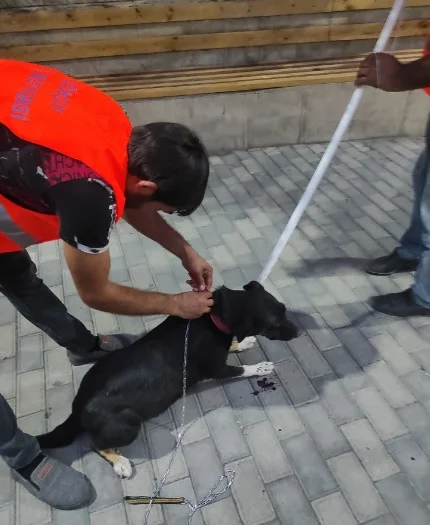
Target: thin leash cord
x,y
228,476
331,149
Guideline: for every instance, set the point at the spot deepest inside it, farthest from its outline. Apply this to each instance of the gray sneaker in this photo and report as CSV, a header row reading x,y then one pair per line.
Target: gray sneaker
x,y
106,344
58,485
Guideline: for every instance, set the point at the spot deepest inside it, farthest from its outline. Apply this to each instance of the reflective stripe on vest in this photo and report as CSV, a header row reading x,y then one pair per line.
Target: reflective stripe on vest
x,y
13,231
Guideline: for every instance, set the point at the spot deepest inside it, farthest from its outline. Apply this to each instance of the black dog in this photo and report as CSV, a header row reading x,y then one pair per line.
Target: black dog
x,y
140,382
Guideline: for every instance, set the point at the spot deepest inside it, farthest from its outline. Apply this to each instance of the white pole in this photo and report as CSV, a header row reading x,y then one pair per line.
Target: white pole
x,y
331,149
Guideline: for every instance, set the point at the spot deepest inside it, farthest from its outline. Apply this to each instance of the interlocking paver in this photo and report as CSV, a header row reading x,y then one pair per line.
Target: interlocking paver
x,y
357,487
370,449
253,503
310,468
350,404
404,503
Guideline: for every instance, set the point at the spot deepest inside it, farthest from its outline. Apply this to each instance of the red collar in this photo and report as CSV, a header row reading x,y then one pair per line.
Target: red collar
x,y
219,324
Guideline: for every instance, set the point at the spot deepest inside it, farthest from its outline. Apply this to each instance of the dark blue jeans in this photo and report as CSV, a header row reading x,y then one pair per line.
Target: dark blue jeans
x,y
415,243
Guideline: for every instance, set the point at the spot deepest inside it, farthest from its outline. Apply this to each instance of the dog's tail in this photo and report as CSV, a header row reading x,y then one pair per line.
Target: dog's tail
x,y
62,435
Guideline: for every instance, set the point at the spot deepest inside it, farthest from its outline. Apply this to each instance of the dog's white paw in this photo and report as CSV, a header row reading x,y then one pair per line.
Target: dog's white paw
x,y
122,467
246,344
260,369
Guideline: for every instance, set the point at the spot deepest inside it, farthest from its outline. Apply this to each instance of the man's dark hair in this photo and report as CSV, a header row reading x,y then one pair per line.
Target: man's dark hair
x,y
172,156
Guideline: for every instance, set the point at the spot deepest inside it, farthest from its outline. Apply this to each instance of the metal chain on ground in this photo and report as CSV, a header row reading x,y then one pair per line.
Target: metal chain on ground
x,y
228,476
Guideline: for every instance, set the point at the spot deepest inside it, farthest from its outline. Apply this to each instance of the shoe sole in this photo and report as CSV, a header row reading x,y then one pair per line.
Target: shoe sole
x,y
386,274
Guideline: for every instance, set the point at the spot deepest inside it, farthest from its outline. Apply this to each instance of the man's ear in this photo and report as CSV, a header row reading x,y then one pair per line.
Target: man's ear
x,y
253,285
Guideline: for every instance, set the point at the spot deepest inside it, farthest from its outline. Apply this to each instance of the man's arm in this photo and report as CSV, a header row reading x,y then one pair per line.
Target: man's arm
x,y
90,273
149,222
384,71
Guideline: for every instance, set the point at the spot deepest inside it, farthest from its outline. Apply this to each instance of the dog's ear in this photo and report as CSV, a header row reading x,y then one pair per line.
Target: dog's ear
x,y
253,285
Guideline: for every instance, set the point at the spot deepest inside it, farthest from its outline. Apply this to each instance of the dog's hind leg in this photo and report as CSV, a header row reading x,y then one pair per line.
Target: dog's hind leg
x,y
117,430
120,464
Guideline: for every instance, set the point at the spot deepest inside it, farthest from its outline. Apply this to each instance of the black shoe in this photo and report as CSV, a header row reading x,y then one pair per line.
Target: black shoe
x,y
400,304
105,345
390,264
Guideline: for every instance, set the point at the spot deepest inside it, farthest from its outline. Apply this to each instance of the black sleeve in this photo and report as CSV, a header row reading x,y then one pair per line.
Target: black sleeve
x,y
87,210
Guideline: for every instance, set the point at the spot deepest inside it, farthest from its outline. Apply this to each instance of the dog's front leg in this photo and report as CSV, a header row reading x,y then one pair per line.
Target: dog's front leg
x,y
260,369
120,464
246,344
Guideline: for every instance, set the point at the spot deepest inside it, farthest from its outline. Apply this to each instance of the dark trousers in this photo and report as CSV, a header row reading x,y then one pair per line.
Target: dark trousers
x,y
35,301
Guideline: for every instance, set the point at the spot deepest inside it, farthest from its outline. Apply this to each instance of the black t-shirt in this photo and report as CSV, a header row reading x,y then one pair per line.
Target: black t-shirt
x,y
45,181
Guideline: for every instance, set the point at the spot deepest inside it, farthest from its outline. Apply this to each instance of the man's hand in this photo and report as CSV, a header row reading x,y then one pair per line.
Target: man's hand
x,y
190,305
199,270
382,71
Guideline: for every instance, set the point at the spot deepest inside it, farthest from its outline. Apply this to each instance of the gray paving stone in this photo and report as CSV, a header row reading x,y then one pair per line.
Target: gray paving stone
x,y
246,405
7,493
7,341
407,337
403,502
110,516
357,345
193,413
370,450
333,510
29,510
357,487
7,515
227,435
7,312
323,430
221,511
388,519
8,378
162,441
401,362
176,514
30,353
340,405
254,505
346,369
383,418
291,503
419,384
281,413
310,468
298,386
414,463
311,360
267,452
211,396
390,385
58,368
204,465
417,419
30,393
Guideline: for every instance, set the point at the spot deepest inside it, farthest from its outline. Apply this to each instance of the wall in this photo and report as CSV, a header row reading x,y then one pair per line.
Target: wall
x,y
287,116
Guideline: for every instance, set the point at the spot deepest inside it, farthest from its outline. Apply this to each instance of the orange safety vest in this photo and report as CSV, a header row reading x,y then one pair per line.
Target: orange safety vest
x,y
426,51
46,107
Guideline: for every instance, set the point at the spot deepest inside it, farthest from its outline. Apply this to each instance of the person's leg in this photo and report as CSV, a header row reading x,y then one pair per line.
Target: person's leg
x,y
39,305
46,478
414,301
412,246
406,257
16,448
421,287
